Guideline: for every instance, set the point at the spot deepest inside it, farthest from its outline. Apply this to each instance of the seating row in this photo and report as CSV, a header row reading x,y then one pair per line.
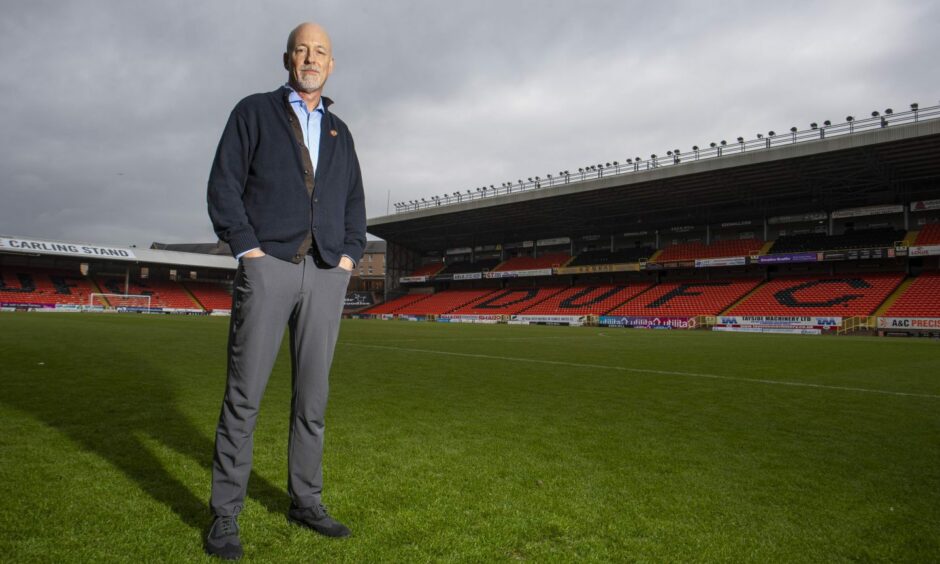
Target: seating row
x,y
841,296
52,287
809,242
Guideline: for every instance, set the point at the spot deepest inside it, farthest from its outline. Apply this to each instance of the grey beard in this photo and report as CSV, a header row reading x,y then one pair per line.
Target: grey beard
x,y
309,84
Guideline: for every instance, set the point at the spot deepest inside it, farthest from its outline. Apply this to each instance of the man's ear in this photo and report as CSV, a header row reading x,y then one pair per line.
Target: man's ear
x,y
286,62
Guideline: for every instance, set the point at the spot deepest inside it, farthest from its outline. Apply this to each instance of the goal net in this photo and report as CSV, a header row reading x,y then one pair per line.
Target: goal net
x,y
119,302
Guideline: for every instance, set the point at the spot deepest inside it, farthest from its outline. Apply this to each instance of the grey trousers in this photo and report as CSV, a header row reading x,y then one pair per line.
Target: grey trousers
x,y
270,293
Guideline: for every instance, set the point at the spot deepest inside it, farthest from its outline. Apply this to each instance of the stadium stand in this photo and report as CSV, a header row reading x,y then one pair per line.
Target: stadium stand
x,y
50,287
921,299
587,300
163,294
212,297
620,256
549,260
929,235
395,304
429,269
688,298
443,302
843,296
509,301
482,265
717,249
865,239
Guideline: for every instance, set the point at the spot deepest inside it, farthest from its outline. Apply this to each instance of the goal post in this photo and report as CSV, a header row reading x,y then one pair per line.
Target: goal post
x,y
119,302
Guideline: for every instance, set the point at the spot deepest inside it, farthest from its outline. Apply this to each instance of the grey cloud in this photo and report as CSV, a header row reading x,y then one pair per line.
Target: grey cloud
x,y
110,111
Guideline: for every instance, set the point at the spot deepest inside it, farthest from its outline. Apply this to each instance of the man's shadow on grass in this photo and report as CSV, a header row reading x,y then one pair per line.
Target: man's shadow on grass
x,y
108,414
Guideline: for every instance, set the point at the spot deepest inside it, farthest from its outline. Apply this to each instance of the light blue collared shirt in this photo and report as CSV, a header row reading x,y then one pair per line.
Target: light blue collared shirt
x,y
309,123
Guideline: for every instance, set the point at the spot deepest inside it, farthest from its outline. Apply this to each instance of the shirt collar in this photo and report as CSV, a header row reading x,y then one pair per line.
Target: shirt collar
x,y
294,98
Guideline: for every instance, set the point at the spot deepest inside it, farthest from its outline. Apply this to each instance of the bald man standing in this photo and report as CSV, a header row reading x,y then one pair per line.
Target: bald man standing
x,y
285,192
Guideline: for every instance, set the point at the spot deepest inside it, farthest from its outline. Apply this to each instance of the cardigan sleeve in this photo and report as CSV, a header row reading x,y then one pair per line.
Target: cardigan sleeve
x,y
227,186
354,242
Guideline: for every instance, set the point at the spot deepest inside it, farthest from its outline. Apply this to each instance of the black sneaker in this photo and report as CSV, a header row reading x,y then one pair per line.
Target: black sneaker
x,y
222,540
317,518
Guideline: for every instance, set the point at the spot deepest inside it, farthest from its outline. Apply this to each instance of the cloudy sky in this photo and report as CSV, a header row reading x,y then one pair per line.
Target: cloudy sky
x,y
110,111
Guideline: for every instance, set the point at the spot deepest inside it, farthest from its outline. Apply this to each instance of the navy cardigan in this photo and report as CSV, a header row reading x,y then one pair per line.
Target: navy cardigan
x,y
262,193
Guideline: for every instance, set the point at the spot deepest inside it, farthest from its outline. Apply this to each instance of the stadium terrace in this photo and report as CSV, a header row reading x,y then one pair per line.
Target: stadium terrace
x,y
820,230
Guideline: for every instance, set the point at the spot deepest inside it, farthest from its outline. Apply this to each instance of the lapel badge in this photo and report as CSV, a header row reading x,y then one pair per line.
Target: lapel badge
x,y
333,132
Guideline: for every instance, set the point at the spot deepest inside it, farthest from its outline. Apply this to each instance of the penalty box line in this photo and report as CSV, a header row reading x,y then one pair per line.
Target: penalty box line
x,y
645,370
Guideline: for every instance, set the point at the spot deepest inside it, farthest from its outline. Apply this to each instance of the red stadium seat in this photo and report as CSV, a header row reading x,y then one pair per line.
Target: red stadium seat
x,y
587,300
929,235
550,260
688,298
845,296
920,299
717,249
508,302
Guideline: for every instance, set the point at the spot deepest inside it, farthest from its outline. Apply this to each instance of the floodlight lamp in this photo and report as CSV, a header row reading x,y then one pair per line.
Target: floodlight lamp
x,y
914,106
889,111
793,129
814,125
849,119
875,113
740,139
827,123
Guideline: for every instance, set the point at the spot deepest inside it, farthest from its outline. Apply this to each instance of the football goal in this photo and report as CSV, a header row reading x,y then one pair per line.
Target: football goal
x,y
119,302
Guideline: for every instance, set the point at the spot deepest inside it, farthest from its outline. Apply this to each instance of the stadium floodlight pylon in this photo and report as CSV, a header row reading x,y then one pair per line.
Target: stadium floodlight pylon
x,y
135,302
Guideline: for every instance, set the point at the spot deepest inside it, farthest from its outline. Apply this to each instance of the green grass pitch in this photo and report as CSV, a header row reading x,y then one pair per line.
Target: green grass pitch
x,y
468,443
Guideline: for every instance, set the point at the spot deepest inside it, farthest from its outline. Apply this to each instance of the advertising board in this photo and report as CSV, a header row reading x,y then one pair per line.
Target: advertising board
x,y
722,261
924,250
648,322
518,273
785,258
569,320
909,323
792,322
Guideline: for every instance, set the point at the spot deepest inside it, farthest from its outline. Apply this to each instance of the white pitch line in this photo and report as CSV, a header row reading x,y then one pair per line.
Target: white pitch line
x,y
647,371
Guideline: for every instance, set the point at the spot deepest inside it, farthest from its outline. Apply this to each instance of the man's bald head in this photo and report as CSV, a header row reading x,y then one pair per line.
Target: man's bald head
x,y
309,57
308,26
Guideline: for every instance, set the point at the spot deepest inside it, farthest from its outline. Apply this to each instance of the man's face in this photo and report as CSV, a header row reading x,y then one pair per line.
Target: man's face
x,y
310,58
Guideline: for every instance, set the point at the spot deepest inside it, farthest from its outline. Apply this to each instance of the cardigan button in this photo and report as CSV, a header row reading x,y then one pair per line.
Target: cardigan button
x,y
307,172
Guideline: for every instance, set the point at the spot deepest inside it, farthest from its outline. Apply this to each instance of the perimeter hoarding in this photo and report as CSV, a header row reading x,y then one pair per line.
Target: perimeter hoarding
x,y
648,322
910,323
770,324
567,320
